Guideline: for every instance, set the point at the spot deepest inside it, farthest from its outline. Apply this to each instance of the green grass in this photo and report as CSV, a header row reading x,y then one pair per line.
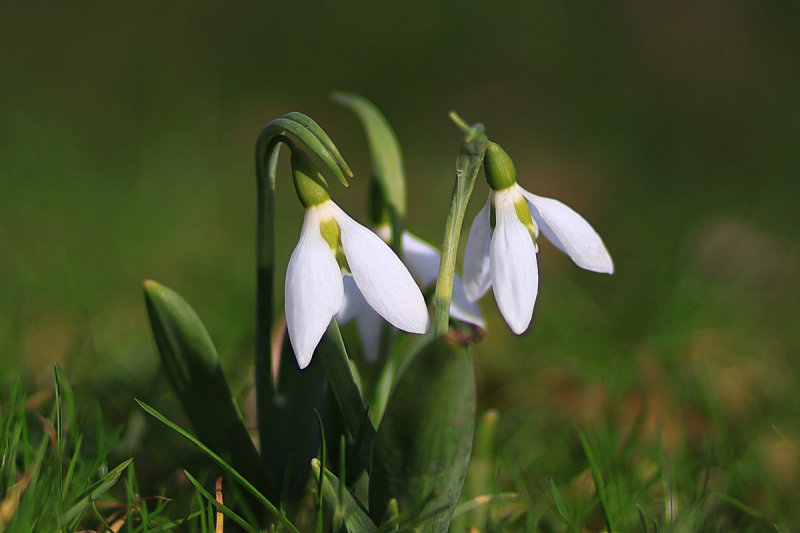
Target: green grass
x,y
128,154
59,472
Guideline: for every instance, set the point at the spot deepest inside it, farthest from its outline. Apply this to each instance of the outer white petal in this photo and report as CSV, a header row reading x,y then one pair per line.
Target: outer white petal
x,y
463,309
422,259
381,277
476,256
570,233
353,302
515,275
313,289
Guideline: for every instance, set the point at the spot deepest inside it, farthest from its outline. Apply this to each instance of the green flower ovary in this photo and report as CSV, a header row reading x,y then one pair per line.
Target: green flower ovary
x,y
499,168
311,187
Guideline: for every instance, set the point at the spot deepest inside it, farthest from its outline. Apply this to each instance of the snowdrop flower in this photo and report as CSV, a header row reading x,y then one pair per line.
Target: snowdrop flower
x,y
333,245
423,261
501,247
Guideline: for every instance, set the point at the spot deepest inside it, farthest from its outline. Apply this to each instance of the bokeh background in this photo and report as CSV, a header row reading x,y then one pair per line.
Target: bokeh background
x,y
126,152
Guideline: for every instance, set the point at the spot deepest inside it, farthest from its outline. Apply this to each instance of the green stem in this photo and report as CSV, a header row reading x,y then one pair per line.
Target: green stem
x,y
306,130
468,163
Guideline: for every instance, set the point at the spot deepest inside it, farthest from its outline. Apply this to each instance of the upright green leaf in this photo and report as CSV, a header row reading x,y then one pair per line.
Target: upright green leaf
x,y
339,504
346,391
192,367
423,444
292,432
384,149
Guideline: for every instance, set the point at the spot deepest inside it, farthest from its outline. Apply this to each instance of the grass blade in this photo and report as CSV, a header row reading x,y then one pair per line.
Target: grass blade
x,y
222,464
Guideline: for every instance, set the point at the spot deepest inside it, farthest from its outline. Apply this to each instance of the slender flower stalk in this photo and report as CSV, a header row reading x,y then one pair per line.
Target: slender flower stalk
x,y
501,247
468,164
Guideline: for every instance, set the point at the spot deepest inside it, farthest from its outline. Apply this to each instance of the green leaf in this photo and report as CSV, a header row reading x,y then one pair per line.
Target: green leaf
x,y
339,504
480,486
597,477
192,367
384,149
292,427
227,511
561,506
227,468
346,391
97,490
423,444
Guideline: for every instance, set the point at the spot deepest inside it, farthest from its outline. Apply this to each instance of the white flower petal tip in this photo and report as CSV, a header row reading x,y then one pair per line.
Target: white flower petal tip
x,y
570,233
313,290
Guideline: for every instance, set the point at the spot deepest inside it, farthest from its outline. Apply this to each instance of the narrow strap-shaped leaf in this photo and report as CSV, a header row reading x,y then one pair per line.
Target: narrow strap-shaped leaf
x,y
339,503
98,489
227,468
423,444
192,367
345,388
384,148
480,484
227,511
293,434
597,477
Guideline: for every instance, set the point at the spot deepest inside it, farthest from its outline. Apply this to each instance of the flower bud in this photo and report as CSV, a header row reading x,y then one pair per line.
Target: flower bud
x,y
500,171
311,187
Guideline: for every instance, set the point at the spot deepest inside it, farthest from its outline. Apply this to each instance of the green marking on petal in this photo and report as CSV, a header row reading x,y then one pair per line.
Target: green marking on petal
x,y
524,216
332,234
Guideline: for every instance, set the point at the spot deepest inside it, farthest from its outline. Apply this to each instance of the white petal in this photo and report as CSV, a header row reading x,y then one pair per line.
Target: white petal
x,y
369,330
461,308
381,277
368,321
313,289
515,275
422,259
476,256
570,233
353,302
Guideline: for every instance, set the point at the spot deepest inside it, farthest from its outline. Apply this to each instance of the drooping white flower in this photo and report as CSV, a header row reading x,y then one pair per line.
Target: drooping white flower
x,y
423,261
501,246
331,246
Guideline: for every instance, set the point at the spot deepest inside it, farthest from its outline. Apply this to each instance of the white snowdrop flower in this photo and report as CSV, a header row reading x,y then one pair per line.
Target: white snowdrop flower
x,y
422,260
331,246
501,246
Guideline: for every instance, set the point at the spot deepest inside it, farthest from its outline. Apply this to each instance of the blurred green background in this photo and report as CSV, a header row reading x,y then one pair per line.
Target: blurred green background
x,y
126,152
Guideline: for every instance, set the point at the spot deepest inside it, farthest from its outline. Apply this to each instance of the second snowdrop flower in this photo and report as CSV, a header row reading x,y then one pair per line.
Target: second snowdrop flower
x,y
331,246
501,247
